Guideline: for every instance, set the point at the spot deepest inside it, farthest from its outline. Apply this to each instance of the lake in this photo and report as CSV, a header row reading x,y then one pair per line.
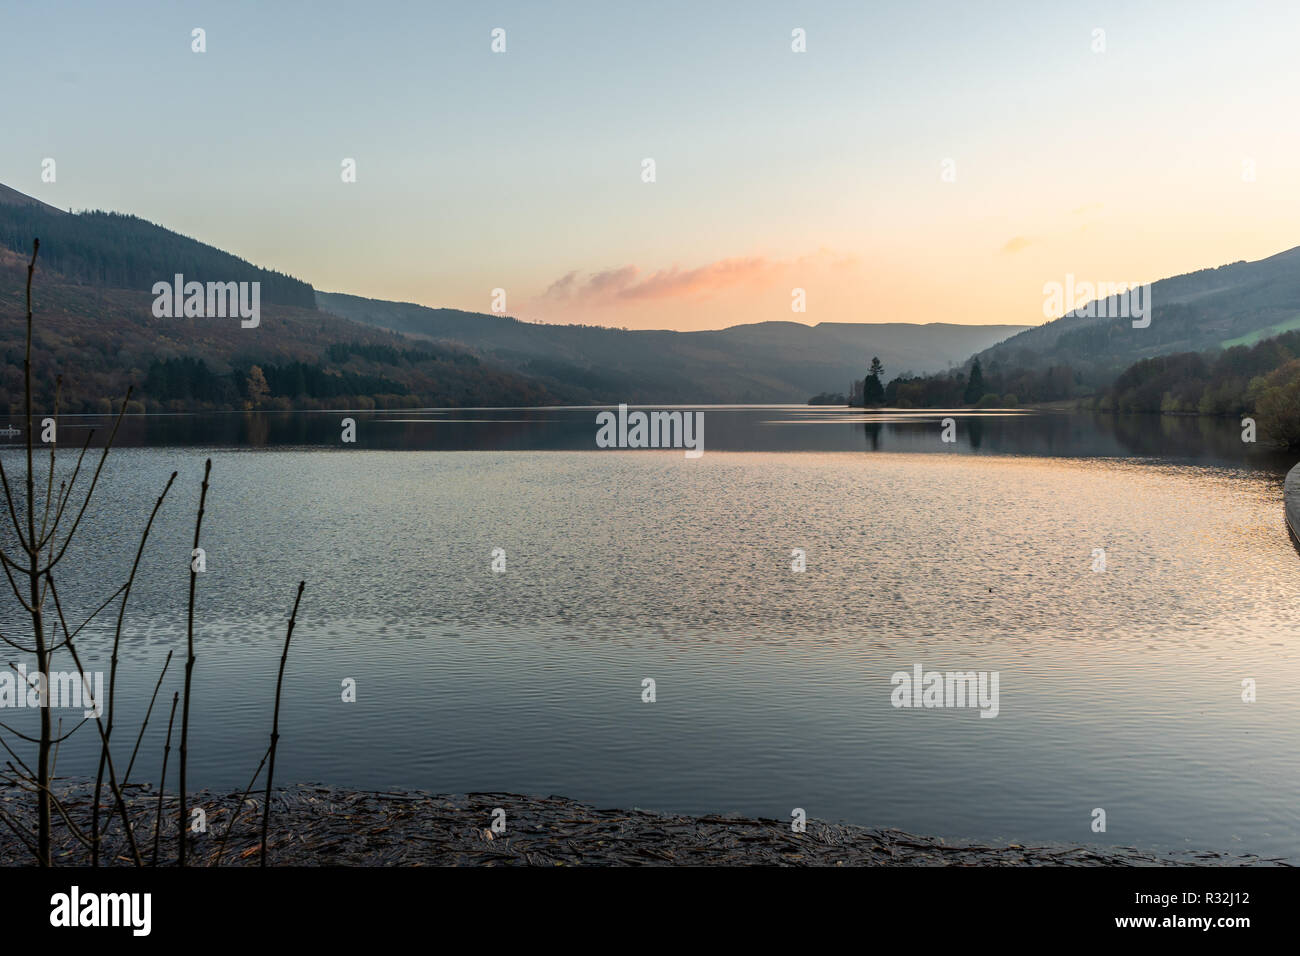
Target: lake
x,y
1119,689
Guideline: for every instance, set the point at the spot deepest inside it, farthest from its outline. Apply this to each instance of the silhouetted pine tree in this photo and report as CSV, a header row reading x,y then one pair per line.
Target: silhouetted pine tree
x,y
975,384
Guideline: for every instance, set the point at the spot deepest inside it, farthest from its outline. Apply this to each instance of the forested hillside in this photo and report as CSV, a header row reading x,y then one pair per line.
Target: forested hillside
x,y
757,362
1211,308
115,251
101,340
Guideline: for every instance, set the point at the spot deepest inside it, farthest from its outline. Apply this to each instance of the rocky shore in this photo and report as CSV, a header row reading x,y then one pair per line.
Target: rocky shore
x,y
330,826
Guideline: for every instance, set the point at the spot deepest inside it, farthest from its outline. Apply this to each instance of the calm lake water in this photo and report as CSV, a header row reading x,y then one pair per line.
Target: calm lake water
x,y
1119,689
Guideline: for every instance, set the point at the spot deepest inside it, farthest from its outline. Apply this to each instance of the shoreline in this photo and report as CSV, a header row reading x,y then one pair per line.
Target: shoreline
x,y
314,825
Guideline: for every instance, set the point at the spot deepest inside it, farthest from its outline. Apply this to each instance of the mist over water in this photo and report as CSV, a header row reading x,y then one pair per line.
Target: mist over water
x,y
1119,689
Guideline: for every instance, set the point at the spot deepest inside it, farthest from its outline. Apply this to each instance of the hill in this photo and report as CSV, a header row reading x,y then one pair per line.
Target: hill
x,y
1239,303
95,324
125,252
761,362
101,340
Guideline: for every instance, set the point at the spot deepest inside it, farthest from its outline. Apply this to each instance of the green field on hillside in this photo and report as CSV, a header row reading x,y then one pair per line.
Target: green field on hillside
x,y
1250,338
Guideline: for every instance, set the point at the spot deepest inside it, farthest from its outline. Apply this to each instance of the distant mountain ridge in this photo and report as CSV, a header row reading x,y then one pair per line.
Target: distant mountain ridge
x,y
762,362
124,255
1209,309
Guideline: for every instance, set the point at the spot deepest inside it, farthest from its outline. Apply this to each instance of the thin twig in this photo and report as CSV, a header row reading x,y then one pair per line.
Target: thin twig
x,y
112,673
162,782
275,720
112,774
131,763
189,663
230,825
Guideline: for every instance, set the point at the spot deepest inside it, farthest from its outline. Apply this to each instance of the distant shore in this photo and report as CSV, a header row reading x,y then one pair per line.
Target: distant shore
x,y
331,826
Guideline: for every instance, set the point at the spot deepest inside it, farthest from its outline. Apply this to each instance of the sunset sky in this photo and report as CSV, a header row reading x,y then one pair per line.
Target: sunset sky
x,y
775,169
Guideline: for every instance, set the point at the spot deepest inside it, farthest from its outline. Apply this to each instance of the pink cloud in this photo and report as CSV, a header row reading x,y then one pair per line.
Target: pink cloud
x,y
627,284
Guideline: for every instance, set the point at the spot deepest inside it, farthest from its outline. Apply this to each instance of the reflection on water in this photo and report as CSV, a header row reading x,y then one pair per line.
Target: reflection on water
x,y
744,428
1119,689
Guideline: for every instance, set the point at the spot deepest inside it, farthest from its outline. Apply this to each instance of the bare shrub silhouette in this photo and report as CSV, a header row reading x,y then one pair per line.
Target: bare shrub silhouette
x,y
30,573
